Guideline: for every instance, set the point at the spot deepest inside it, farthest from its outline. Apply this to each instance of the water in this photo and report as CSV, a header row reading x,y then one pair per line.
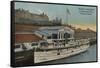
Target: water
x,y
88,56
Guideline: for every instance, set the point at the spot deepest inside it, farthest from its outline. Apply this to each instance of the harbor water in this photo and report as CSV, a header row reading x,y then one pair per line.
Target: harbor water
x,y
88,56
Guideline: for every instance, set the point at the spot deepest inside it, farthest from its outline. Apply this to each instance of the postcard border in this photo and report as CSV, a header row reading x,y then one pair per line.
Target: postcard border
x,y
12,35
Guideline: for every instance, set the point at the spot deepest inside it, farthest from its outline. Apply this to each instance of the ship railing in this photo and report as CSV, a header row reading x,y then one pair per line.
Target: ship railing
x,y
71,43
79,42
56,39
53,47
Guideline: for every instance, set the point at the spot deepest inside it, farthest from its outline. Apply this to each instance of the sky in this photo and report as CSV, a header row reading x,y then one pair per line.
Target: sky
x,y
79,16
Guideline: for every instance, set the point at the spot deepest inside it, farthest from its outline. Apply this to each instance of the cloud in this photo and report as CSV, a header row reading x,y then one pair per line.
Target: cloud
x,y
38,11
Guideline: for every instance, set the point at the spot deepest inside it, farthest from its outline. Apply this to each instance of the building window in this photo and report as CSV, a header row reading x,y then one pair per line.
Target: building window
x,y
54,36
17,46
34,44
66,35
43,43
49,37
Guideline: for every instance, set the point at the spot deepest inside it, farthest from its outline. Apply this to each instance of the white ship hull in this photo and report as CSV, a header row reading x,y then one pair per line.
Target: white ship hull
x,y
43,56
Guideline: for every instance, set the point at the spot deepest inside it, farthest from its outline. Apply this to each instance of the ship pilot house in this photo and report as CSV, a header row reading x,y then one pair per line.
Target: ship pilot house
x,y
45,37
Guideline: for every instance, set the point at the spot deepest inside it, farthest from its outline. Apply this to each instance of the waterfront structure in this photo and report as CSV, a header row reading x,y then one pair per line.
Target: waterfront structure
x,y
48,43
25,17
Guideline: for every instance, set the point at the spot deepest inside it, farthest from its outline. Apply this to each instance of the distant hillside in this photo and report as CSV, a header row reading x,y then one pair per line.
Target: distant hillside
x,y
82,34
25,17
79,33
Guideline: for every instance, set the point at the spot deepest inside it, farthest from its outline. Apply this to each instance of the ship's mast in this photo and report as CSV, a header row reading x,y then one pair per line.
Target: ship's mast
x,y
67,19
67,14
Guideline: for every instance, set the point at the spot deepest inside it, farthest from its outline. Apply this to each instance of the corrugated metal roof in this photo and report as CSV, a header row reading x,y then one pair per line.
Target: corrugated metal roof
x,y
47,31
19,38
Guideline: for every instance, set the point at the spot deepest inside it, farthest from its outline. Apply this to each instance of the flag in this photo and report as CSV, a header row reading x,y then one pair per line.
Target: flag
x,y
68,11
